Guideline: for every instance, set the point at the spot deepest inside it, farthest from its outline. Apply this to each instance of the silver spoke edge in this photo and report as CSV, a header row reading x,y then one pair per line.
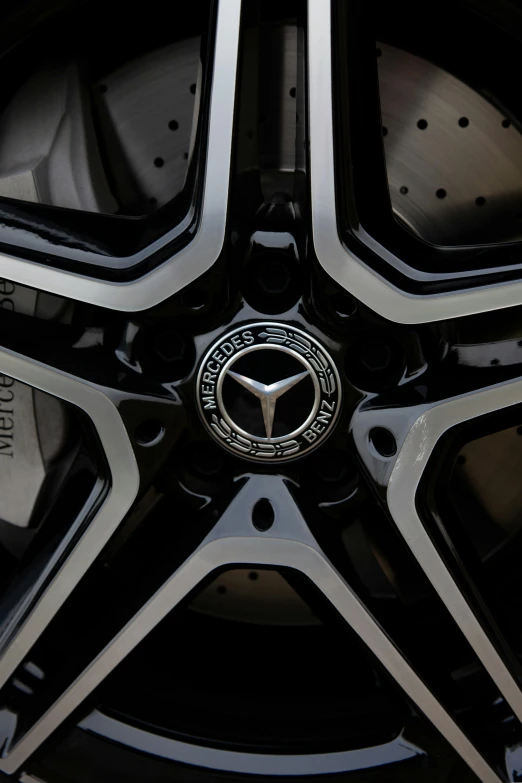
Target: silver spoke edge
x,y
357,278
398,749
122,492
402,489
195,259
289,543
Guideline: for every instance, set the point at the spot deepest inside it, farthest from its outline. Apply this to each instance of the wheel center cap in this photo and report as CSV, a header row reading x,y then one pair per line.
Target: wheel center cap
x,y
268,392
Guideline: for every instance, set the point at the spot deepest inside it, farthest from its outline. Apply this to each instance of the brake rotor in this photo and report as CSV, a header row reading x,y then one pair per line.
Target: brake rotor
x,y
454,161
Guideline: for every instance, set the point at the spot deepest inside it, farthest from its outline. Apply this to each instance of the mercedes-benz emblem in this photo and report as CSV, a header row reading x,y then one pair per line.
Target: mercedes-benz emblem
x,y
268,391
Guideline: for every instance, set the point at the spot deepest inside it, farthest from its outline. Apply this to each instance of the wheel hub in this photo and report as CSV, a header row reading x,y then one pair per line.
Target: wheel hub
x,y
269,392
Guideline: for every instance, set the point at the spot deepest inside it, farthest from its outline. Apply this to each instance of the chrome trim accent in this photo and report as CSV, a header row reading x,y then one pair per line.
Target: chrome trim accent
x,y
405,477
287,339
398,749
268,394
289,543
121,494
195,259
372,289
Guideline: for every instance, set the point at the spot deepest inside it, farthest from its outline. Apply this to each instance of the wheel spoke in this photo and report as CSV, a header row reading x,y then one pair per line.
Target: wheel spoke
x,y
417,431
60,576
287,543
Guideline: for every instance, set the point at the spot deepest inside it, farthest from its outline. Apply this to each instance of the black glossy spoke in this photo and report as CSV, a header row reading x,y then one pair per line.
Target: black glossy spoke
x,y
286,543
141,383
150,545
364,545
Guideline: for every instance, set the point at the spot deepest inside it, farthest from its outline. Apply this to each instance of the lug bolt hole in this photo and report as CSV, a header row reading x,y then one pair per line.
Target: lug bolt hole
x,y
331,467
193,298
373,364
271,282
149,433
383,441
170,347
207,460
263,515
342,306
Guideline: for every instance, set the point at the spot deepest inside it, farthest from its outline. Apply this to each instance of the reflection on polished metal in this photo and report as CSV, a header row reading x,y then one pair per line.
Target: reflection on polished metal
x,y
398,749
350,272
264,344
268,394
405,473
61,573
288,543
199,255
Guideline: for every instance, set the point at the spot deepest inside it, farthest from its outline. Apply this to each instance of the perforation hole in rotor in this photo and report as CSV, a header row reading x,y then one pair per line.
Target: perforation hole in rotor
x,y
463,138
173,125
422,124
263,515
441,193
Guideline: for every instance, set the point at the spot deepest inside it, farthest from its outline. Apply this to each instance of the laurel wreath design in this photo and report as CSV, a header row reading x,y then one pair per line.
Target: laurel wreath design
x,y
298,343
252,447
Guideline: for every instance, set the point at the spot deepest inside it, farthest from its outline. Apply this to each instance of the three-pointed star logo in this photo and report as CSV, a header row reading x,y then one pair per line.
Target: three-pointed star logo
x,y
268,394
